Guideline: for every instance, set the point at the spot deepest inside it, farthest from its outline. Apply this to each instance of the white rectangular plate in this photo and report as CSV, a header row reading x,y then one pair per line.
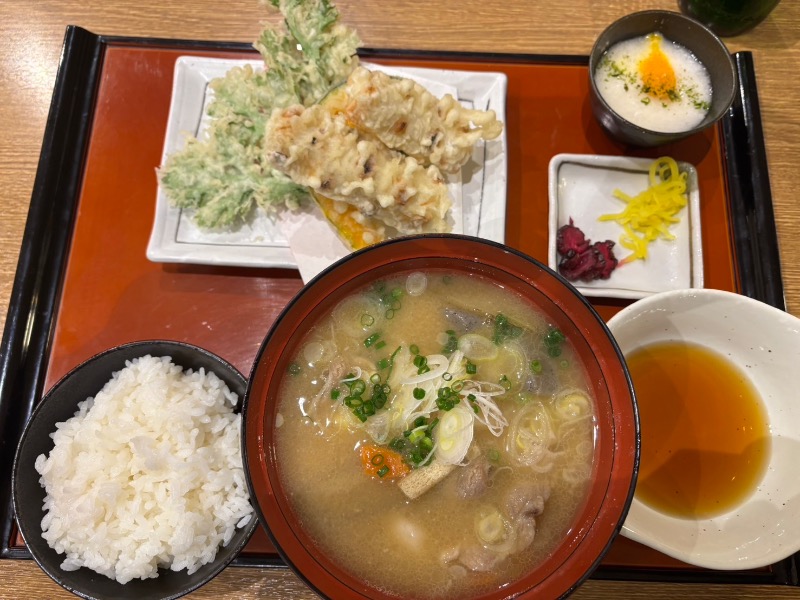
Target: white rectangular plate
x,y
581,188
479,196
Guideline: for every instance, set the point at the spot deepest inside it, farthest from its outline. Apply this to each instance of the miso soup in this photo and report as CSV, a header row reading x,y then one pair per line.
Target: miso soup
x,y
436,435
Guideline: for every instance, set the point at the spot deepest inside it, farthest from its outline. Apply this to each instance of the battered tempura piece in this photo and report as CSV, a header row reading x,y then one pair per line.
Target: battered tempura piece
x,y
357,230
324,152
407,117
222,175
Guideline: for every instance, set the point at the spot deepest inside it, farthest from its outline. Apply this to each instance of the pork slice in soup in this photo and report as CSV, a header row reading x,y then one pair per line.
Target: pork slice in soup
x,y
436,440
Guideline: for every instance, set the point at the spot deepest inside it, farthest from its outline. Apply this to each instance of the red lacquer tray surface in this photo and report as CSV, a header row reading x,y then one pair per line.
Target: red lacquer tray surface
x,y
112,294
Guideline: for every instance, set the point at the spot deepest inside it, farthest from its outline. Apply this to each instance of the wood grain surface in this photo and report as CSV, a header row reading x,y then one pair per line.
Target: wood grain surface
x,y
30,46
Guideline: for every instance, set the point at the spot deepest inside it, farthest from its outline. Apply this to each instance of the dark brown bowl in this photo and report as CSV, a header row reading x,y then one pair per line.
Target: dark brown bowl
x,y
697,38
61,403
616,458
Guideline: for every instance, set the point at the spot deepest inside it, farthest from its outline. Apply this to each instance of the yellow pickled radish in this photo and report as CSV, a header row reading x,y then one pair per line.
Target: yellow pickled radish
x,y
649,215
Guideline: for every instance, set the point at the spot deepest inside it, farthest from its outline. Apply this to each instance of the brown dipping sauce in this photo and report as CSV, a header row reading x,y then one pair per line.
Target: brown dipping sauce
x,y
705,433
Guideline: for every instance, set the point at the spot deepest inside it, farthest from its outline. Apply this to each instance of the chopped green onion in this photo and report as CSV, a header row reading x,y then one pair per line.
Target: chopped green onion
x,y
371,339
452,342
554,336
457,386
416,436
335,394
414,349
447,376
504,329
564,364
446,398
379,399
364,410
357,387
367,320
397,292
505,382
553,341
420,361
391,364
294,369
380,345
416,443
419,393
377,460
536,366
375,378
389,314
493,455
383,363
471,368
384,470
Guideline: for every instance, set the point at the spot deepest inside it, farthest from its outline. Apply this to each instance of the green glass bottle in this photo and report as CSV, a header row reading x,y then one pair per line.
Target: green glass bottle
x,y
728,17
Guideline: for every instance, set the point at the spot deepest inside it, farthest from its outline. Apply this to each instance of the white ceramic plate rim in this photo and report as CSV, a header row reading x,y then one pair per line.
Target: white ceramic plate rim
x,y
669,267
483,185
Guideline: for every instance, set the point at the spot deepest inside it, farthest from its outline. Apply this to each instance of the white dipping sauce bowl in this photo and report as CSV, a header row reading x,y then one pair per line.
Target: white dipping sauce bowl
x,y
764,343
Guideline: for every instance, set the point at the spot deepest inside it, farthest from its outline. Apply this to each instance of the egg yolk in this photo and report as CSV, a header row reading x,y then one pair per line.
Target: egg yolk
x,y
658,76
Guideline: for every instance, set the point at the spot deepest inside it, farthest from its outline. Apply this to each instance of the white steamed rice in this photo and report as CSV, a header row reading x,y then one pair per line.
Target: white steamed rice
x,y
147,474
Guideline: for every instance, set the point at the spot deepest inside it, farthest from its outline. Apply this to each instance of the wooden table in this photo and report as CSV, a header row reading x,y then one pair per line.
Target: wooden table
x,y
29,58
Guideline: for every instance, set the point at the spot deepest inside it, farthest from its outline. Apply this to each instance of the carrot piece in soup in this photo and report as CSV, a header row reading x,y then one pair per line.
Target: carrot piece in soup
x,y
382,463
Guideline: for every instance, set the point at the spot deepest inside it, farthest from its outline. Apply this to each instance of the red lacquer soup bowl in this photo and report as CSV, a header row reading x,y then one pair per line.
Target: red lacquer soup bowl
x,y
616,451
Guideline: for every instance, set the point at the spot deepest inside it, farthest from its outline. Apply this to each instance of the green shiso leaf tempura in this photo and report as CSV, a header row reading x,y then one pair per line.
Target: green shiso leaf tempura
x,y
224,175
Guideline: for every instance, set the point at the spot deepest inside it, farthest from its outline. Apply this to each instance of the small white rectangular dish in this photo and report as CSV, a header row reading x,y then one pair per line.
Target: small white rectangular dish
x,y
581,188
479,196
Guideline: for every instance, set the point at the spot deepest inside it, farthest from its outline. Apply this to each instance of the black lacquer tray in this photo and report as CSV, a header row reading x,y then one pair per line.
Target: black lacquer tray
x,y
83,282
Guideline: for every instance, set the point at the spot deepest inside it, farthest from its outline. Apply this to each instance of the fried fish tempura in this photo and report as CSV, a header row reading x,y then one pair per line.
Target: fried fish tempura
x,y
407,117
322,151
